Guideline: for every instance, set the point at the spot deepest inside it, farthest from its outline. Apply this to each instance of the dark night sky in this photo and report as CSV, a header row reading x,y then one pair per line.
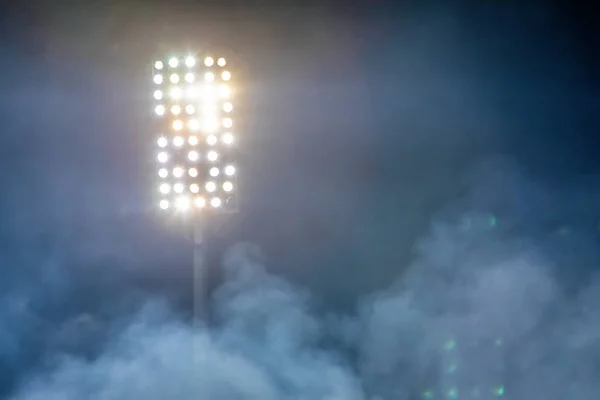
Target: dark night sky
x,y
364,125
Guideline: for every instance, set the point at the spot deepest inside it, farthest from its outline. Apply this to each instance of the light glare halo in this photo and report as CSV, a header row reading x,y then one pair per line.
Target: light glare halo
x,y
229,170
193,155
228,138
190,109
176,92
221,62
177,125
193,140
200,202
210,186
164,204
158,79
190,61
177,172
211,140
162,142
174,78
214,172
173,62
215,202
189,77
193,124
163,173
209,77
178,188
227,186
212,156
226,75
193,172
227,107
227,122
176,109
194,188
159,109
208,61
182,203
224,91
178,141
165,188
163,157
158,94
158,65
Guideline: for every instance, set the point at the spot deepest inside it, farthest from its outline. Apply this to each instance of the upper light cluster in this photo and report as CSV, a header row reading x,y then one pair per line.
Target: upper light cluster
x,y
193,104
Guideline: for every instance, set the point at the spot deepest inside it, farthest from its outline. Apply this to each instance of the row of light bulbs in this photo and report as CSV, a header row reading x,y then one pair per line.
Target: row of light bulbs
x,y
208,125
190,108
193,156
178,172
183,203
210,187
190,62
211,140
189,77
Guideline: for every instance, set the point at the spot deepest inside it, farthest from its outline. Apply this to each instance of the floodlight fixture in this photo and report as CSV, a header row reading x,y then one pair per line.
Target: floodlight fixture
x,y
194,114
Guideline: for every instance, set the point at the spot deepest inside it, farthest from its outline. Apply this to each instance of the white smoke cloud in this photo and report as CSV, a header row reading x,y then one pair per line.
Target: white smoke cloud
x,y
481,308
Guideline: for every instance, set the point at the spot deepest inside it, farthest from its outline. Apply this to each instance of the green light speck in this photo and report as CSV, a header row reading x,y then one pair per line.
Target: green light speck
x,y
450,344
499,391
453,393
452,368
428,394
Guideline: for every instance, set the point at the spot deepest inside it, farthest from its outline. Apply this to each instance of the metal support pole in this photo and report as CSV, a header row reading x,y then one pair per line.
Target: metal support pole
x,y
200,273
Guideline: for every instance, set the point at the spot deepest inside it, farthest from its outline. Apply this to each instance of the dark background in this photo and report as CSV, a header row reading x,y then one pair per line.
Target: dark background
x,y
361,124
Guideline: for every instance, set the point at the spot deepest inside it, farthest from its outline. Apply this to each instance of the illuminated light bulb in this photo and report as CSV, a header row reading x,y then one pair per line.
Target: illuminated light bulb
x,y
190,61
221,62
177,172
176,93
159,110
189,77
211,140
224,91
194,188
215,202
229,170
158,65
176,109
227,186
165,188
228,107
158,95
228,138
214,172
164,204
211,186
227,122
200,202
209,77
158,79
190,109
193,140
162,142
193,172
178,188
182,203
162,157
208,61
173,62
193,124
178,141
177,125
163,173
211,125
174,78
193,156
226,75
212,156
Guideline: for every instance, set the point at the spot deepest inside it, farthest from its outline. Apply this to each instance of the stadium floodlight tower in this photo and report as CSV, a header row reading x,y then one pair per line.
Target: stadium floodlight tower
x,y
196,170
